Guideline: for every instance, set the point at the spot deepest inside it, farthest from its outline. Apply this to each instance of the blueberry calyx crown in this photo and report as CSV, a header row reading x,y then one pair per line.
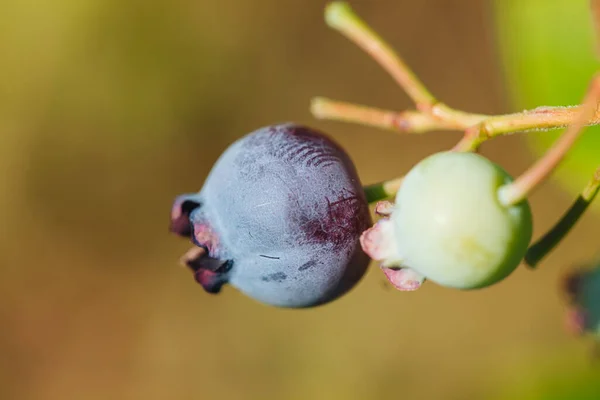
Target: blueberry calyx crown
x,y
211,273
180,215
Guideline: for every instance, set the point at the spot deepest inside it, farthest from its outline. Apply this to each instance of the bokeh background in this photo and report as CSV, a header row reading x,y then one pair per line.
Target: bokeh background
x,y
110,108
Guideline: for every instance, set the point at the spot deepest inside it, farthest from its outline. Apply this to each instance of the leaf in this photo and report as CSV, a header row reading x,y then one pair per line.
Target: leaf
x,y
548,55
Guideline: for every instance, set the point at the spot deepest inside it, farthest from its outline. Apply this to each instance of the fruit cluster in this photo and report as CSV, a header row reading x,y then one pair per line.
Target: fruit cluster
x,y
284,218
449,225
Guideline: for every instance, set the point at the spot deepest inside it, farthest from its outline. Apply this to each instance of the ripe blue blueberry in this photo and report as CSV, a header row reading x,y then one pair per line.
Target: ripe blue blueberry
x,y
279,218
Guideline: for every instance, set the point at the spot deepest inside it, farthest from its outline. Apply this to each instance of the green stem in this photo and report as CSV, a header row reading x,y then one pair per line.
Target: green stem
x,y
340,16
554,236
549,241
375,192
382,190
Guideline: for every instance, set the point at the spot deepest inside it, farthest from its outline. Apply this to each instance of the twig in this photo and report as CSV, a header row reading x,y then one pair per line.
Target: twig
x,y
518,190
549,241
430,114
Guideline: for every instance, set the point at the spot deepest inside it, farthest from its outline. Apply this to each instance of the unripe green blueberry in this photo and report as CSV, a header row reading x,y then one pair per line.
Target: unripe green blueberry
x,y
448,226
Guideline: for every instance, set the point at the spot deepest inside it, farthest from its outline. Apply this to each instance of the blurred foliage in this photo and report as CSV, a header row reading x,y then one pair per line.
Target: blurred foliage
x,y
551,381
548,51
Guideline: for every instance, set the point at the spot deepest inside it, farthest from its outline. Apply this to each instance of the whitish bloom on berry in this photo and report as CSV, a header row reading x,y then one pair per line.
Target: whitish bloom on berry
x,y
447,225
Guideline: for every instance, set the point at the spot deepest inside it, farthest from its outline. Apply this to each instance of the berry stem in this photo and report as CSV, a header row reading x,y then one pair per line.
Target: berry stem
x,y
405,122
478,128
382,190
549,241
340,16
557,233
540,118
525,184
430,114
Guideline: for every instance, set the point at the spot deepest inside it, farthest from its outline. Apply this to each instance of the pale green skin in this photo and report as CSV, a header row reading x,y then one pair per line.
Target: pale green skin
x,y
450,227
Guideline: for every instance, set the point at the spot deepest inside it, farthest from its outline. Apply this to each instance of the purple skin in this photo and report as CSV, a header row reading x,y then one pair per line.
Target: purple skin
x,y
279,218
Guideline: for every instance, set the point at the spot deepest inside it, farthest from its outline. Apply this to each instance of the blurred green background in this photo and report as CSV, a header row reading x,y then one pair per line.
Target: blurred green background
x,y
549,56
111,108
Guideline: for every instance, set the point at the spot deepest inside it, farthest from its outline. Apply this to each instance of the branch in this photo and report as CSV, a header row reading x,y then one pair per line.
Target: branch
x,y
518,190
341,17
549,241
404,122
431,115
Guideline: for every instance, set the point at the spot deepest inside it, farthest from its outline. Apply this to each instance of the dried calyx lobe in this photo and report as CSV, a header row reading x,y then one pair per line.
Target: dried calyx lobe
x,y
279,218
210,272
